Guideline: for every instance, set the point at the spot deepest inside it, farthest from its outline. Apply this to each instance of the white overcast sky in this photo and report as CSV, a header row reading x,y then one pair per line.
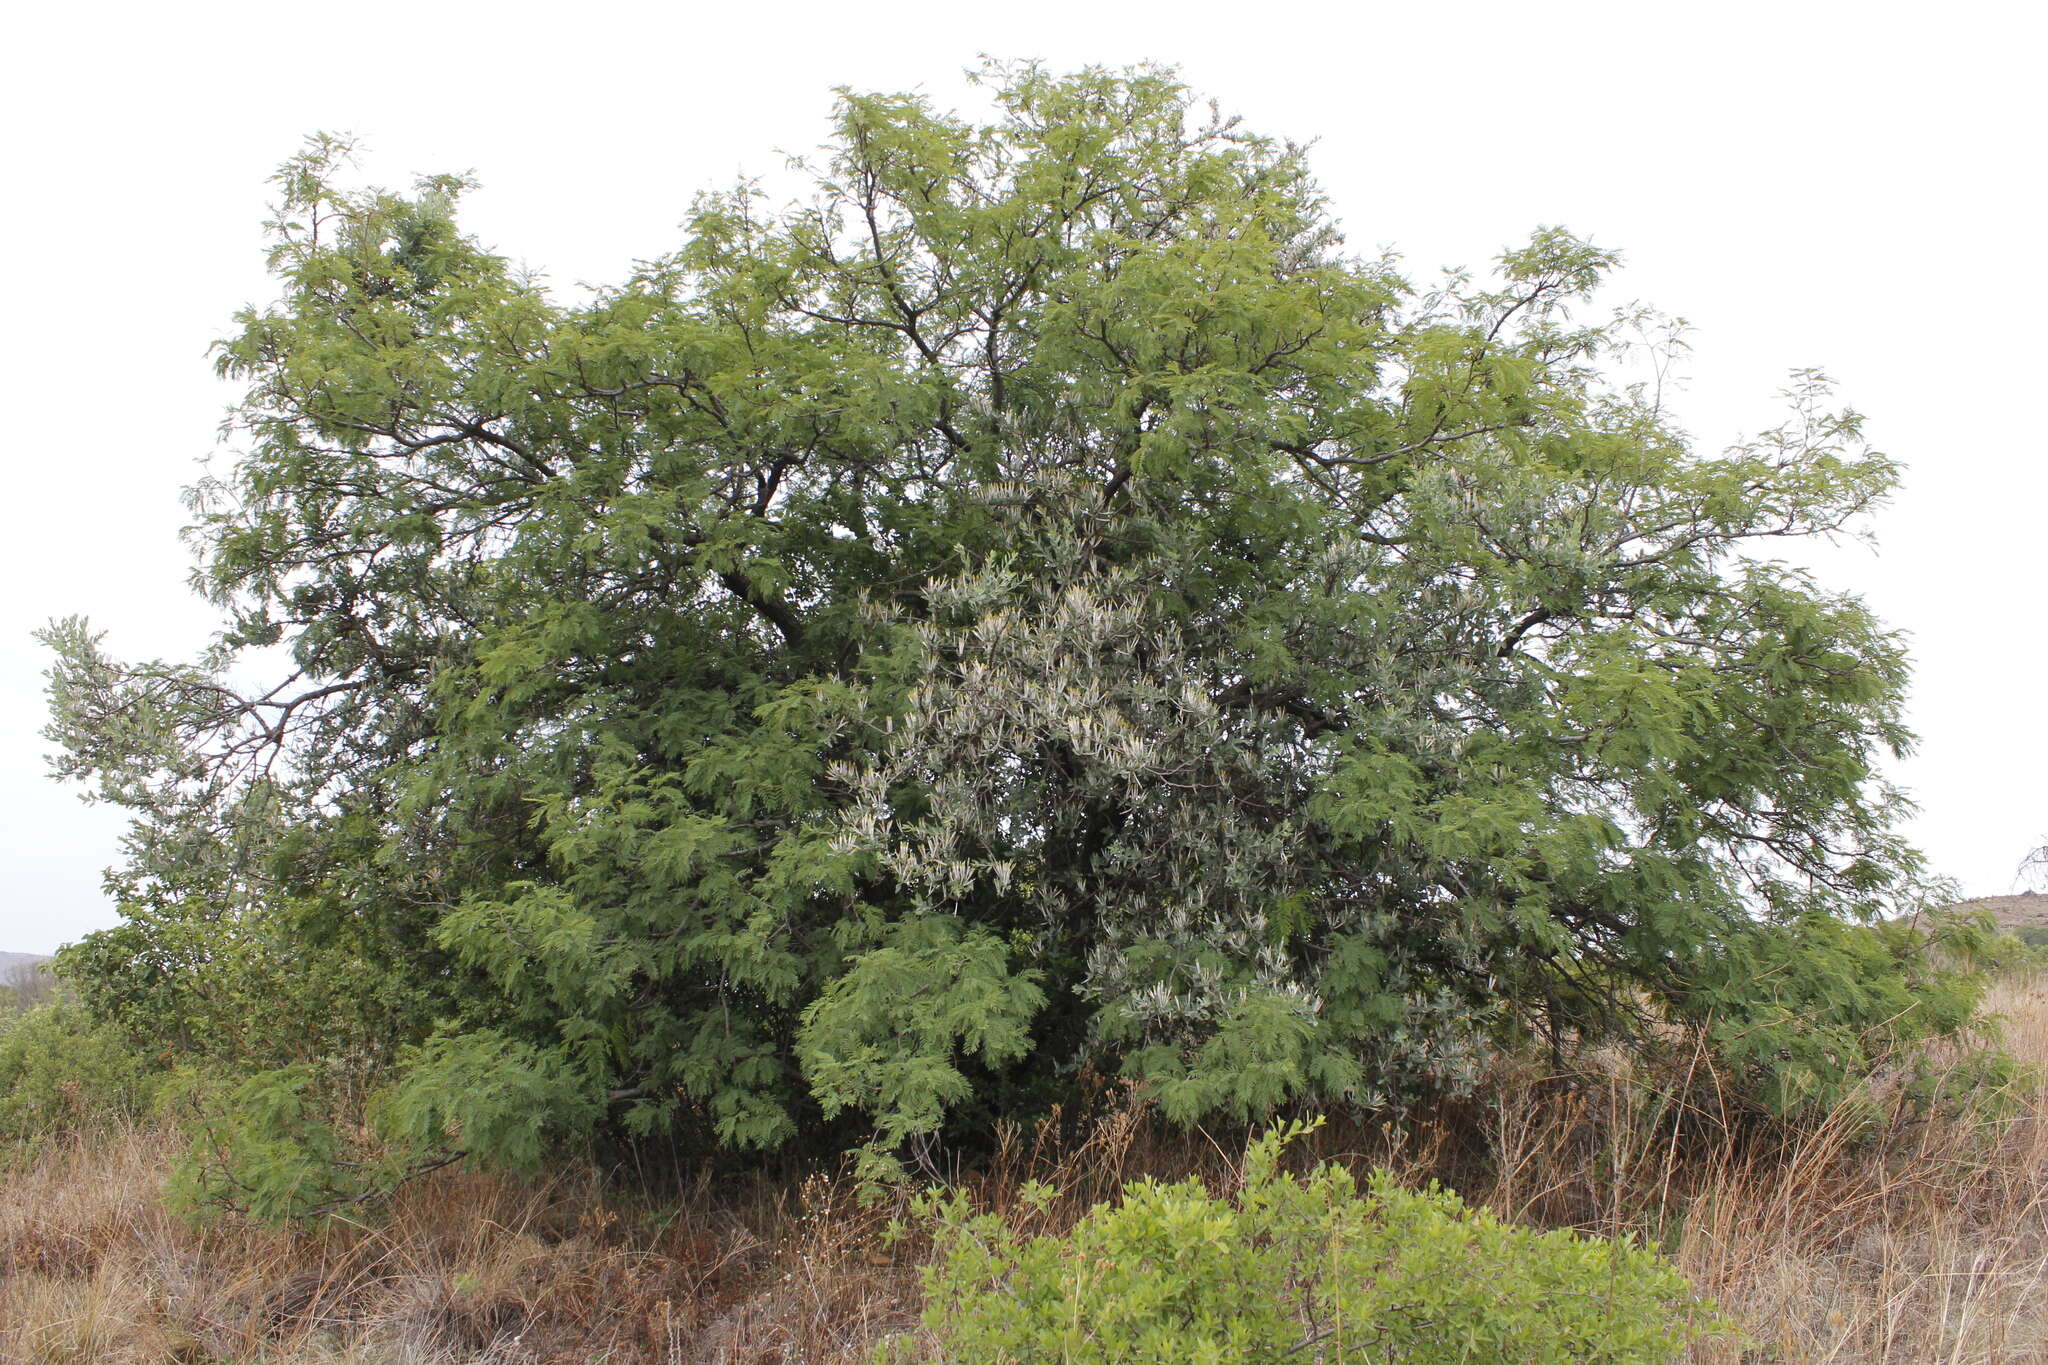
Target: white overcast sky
x,y
1850,186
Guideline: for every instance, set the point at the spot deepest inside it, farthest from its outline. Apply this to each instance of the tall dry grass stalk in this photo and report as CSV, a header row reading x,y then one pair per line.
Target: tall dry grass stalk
x,y
1922,1240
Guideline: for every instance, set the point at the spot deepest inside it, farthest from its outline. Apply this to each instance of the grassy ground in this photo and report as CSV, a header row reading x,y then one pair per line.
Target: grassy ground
x,y
1928,1243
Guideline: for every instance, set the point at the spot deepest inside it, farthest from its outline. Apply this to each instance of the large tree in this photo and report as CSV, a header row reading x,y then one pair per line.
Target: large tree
x,y
1037,604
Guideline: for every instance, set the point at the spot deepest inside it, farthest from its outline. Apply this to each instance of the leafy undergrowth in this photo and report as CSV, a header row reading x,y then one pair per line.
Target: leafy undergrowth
x,y
1282,1266
1872,1236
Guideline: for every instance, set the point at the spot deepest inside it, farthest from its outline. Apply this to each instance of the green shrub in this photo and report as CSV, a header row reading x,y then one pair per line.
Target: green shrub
x,y
1089,621
62,1072
1292,1270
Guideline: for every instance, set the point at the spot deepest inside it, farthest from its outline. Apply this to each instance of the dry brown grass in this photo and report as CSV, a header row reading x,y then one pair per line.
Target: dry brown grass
x,y
1931,1246
460,1268
1925,1240
1925,1243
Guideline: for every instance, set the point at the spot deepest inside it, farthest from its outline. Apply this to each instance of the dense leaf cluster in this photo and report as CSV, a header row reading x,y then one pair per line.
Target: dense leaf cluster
x,y
1037,604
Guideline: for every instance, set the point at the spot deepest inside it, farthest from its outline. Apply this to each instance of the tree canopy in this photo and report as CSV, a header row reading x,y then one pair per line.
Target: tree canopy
x,y
1037,605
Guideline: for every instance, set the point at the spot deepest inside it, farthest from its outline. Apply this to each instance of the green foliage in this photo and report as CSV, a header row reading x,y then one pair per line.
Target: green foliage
x,y
1036,606
1291,1269
1801,1012
62,1071
485,1093
266,1144
884,1035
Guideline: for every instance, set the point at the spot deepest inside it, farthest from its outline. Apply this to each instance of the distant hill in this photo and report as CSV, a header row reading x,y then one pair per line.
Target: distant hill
x,y
9,961
2028,910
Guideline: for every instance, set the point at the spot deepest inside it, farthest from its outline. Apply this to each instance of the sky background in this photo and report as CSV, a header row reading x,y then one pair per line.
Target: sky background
x,y
1853,187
